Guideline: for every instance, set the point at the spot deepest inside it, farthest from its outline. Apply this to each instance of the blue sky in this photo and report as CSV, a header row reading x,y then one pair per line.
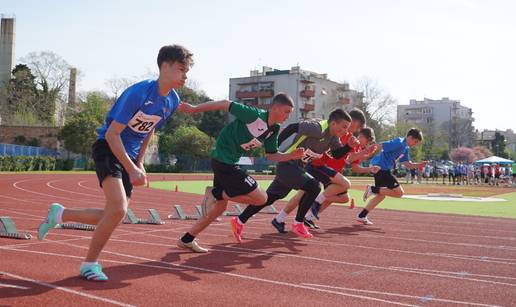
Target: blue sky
x,y
461,49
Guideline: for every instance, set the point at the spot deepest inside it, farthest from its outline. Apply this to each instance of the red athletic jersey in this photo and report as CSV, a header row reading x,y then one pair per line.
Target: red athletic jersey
x,y
337,164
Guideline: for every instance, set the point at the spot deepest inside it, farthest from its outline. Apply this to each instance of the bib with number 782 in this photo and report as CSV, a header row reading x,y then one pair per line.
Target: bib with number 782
x,y
143,123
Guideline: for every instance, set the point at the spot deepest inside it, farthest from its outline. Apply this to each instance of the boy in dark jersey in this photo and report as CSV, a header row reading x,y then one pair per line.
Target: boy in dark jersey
x,y
359,153
315,138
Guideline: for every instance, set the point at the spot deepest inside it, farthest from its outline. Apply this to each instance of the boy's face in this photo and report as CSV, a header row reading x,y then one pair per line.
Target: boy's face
x,y
364,141
411,141
355,126
174,73
339,128
279,113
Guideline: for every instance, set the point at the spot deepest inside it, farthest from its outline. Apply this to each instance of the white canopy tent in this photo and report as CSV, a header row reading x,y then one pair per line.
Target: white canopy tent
x,y
496,160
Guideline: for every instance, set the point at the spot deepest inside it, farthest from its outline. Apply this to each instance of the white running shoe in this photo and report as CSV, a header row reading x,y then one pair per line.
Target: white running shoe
x,y
364,220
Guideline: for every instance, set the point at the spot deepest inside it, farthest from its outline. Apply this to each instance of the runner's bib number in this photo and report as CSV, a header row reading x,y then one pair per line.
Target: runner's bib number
x,y
143,123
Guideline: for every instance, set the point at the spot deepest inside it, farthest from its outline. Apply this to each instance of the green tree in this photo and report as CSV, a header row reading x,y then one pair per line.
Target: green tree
x,y
186,141
79,132
212,123
20,105
498,145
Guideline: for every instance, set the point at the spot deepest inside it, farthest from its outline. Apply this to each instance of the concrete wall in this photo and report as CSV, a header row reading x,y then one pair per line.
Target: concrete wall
x,y
47,136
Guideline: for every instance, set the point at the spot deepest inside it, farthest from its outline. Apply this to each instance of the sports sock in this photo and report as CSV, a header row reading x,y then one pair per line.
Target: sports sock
x,y
187,238
239,221
281,216
59,215
363,213
87,264
320,198
309,216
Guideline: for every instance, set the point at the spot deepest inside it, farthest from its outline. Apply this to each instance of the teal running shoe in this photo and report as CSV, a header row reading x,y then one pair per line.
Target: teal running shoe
x,y
50,221
93,273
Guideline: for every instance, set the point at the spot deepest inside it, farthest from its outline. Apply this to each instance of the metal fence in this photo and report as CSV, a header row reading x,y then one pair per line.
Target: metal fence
x,y
21,150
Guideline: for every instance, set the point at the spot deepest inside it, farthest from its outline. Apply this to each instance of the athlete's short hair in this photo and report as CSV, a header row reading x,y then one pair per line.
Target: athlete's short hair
x,y
415,133
358,115
337,115
282,99
175,53
368,132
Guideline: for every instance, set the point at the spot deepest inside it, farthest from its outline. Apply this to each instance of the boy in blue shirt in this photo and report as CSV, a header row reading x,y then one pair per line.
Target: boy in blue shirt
x,y
119,151
385,184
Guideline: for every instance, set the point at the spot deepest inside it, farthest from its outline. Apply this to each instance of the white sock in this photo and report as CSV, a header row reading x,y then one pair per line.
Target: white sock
x,y
320,198
239,221
309,216
297,223
281,216
87,264
59,216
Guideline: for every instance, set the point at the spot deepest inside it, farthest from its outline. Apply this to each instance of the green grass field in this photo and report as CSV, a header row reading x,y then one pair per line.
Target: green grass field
x,y
496,209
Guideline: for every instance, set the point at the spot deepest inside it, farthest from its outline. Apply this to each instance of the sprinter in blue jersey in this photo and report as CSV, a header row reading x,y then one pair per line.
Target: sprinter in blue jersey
x,y
119,150
385,184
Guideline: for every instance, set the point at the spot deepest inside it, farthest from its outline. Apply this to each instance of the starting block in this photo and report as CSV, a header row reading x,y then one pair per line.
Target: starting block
x,y
8,230
179,214
237,211
269,210
131,218
76,226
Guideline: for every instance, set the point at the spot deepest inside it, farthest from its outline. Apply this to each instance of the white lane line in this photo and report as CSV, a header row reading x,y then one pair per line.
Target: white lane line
x,y
368,266
90,296
176,267
2,285
433,299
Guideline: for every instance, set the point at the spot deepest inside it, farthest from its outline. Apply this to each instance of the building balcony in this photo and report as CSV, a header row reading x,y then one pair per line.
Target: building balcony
x,y
308,93
307,107
344,101
254,94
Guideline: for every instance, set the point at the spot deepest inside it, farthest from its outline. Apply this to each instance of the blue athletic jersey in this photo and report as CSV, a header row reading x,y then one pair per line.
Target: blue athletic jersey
x,y
142,109
391,151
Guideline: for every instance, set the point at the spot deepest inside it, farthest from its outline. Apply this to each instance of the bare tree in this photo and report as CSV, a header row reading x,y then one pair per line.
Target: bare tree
x,y
52,73
377,104
51,70
117,85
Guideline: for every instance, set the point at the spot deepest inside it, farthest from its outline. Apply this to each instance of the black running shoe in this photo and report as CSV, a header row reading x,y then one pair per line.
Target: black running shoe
x,y
315,209
280,227
311,224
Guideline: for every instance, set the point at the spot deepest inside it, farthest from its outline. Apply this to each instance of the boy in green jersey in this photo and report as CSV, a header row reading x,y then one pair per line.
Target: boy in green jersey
x,y
252,128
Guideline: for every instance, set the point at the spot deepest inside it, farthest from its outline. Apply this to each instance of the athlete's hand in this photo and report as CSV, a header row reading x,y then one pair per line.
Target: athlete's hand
x,y
297,154
353,142
137,177
422,165
371,149
141,167
186,108
374,169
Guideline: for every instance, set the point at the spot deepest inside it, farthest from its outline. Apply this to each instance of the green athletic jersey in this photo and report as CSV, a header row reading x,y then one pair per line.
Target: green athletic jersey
x,y
249,130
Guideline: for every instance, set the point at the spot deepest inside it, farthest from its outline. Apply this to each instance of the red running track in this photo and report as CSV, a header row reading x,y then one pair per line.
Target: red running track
x,y
404,259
